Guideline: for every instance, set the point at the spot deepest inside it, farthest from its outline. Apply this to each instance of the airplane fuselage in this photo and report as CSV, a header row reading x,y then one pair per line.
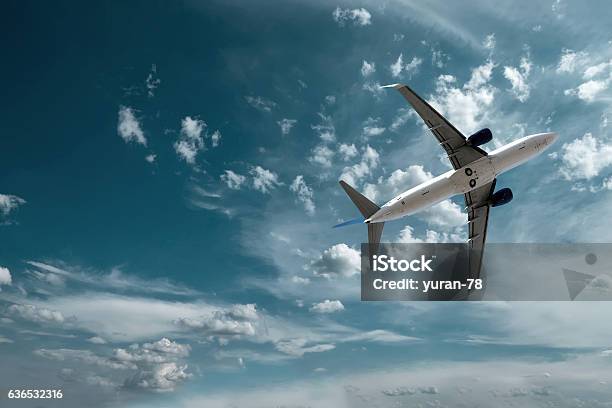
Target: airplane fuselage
x,y
465,179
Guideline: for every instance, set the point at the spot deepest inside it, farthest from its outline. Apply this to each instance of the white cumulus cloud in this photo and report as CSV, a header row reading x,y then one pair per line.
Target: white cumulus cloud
x,y
327,306
264,180
585,158
5,276
339,260
367,68
129,128
322,155
191,140
233,180
36,314
466,107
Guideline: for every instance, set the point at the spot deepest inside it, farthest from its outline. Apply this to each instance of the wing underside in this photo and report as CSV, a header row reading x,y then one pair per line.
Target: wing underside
x,y
478,206
459,152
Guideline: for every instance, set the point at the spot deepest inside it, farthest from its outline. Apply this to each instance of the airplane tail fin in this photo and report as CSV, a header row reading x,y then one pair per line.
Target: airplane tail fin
x,y
367,209
365,206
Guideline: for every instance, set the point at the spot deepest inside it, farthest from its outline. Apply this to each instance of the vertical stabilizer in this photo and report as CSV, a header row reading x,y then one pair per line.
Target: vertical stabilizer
x,y
367,209
365,206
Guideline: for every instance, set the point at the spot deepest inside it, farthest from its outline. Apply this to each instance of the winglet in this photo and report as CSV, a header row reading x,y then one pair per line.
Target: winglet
x,y
394,86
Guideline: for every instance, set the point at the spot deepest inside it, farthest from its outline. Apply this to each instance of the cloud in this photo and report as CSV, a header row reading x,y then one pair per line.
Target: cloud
x,y
445,214
96,340
371,127
152,81
467,107
327,306
369,161
407,236
215,138
5,340
589,90
298,347
325,130
413,66
585,158
321,155
375,88
397,67
347,151
401,118
367,68
286,125
597,69
124,318
236,321
151,158
340,260
191,140
83,356
115,279
151,366
359,16
160,377
5,276
9,203
129,128
304,194
489,42
573,382
570,61
438,58
233,180
36,314
597,79
260,103
264,180
518,78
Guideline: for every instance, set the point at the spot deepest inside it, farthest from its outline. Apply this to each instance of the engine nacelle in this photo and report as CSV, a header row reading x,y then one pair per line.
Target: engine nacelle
x,y
481,137
501,197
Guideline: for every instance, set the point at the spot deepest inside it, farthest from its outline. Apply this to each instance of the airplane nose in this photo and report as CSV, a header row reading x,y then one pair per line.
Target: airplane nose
x,y
551,138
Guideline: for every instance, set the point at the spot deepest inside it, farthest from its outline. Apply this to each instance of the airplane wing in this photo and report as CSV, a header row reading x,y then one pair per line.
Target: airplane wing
x,y
477,205
454,143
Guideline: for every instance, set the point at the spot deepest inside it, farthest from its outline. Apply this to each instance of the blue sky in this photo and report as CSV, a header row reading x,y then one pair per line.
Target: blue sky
x,y
169,178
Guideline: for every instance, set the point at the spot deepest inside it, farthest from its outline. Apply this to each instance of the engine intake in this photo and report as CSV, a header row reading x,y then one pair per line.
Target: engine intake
x,y
501,197
481,137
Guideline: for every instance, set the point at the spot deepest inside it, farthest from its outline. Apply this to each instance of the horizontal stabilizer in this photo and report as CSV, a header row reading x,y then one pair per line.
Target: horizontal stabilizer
x,y
354,221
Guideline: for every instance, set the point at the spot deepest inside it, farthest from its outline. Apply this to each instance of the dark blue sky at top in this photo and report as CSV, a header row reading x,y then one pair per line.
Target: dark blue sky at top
x,y
94,203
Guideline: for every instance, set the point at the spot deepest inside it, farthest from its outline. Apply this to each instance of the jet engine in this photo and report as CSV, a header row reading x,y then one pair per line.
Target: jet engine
x,y
501,197
481,137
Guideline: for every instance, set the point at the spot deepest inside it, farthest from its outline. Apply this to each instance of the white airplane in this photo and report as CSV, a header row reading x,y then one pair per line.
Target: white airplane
x,y
474,175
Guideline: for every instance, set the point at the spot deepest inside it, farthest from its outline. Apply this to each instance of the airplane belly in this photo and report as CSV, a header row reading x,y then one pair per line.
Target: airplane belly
x,y
417,199
474,175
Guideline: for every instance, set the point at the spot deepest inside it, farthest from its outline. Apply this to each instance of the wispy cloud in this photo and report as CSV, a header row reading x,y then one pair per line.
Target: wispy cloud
x,y
260,103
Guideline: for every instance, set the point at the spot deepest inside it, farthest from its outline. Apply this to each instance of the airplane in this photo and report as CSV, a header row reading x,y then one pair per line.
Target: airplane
x,y
473,175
